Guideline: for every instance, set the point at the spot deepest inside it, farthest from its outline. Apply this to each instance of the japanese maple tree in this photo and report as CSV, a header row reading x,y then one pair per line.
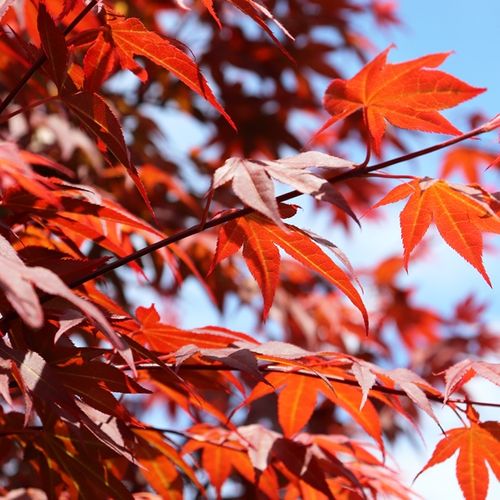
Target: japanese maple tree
x,y
105,398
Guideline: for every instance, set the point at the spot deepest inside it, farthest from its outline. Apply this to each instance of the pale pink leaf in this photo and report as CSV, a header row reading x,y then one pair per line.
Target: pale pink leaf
x,y
276,348
454,376
261,442
366,379
408,380
240,359
19,292
251,184
251,180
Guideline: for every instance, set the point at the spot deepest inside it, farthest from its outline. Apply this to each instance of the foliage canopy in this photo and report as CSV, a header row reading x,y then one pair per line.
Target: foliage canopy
x,y
303,403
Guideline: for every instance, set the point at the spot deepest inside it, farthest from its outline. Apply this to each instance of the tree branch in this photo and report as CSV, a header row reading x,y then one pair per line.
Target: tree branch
x,y
309,373
218,220
236,214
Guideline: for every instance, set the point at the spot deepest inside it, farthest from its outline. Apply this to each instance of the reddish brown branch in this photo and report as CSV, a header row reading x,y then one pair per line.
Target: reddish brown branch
x,y
217,221
309,373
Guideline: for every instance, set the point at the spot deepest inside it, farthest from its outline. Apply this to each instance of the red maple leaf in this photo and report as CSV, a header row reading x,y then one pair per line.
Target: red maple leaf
x,y
460,213
260,239
477,445
408,95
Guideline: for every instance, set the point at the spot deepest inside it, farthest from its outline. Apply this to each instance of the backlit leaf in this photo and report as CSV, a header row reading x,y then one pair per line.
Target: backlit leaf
x,y
460,213
408,95
477,445
263,261
457,375
132,38
95,114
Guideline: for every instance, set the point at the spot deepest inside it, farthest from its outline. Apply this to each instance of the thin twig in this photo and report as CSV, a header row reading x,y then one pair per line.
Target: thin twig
x,y
34,104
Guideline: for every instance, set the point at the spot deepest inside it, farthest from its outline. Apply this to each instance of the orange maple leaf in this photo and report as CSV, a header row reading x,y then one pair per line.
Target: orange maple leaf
x,y
460,213
161,464
477,445
408,95
260,238
131,37
467,161
298,395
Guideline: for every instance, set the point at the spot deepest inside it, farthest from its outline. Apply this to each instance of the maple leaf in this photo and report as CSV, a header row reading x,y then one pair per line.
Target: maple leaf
x,y
256,11
17,171
251,180
457,375
477,445
220,458
99,62
159,460
40,383
54,46
246,450
466,160
408,95
385,12
93,381
96,219
296,401
131,38
209,5
460,213
260,238
167,338
414,386
100,120
82,441
85,476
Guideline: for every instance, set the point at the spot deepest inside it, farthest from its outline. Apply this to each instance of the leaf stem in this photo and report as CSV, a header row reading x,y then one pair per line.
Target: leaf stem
x,y
367,157
384,175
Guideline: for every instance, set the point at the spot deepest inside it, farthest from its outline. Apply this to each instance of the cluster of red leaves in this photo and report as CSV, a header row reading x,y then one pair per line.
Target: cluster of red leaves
x,y
81,375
